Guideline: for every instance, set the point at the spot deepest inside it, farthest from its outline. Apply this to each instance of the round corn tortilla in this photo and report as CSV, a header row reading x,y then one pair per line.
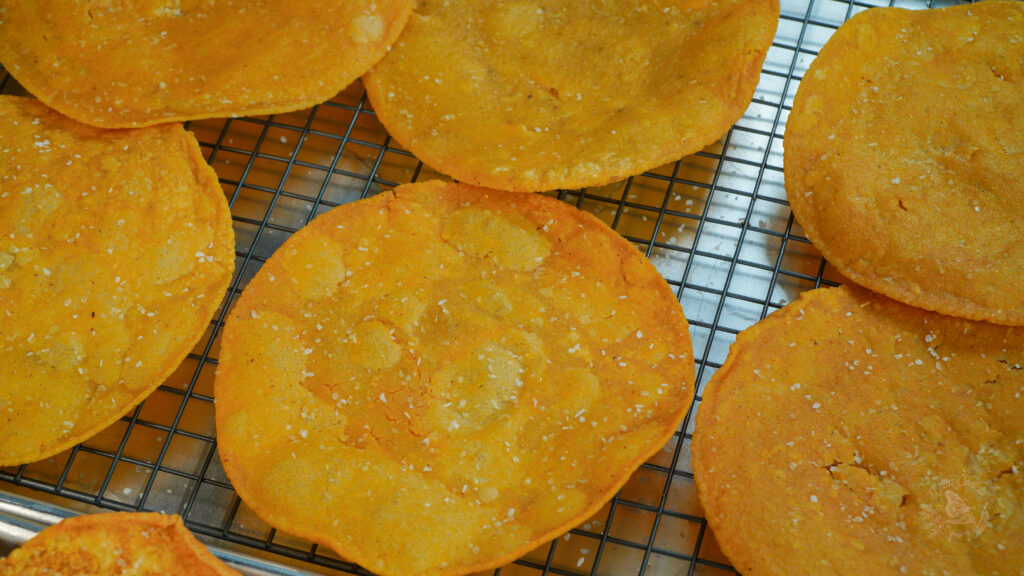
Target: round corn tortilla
x,y
114,544
905,157
542,94
438,379
848,429
115,250
142,62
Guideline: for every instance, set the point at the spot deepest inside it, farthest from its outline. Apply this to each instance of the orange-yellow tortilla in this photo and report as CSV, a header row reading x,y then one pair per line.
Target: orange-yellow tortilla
x,y
540,94
905,157
114,544
850,433
115,251
438,379
133,63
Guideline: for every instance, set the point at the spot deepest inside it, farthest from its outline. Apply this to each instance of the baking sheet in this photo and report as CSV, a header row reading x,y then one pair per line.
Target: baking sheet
x,y
716,225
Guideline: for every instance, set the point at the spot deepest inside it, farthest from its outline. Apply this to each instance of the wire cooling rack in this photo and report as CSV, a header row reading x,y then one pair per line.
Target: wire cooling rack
x,y
716,225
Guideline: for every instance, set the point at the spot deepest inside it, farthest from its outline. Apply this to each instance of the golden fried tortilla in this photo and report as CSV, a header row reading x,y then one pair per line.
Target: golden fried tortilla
x,y
137,63
905,157
438,379
849,432
115,250
541,94
114,544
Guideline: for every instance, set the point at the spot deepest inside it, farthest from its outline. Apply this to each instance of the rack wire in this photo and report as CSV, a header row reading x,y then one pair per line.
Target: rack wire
x,y
716,225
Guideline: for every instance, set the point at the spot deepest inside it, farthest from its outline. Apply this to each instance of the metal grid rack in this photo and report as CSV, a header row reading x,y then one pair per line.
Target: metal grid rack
x,y
716,225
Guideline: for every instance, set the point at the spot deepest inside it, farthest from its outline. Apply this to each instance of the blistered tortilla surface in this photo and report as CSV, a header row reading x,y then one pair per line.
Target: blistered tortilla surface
x,y
115,250
905,156
859,431
117,64
439,379
541,94
114,544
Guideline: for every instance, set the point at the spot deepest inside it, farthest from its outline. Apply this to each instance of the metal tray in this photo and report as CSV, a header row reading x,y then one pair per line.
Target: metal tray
x,y
716,225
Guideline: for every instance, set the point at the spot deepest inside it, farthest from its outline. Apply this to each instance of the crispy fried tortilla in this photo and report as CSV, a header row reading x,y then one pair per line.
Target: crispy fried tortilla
x,y
542,94
114,544
440,378
142,62
905,157
115,251
866,434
